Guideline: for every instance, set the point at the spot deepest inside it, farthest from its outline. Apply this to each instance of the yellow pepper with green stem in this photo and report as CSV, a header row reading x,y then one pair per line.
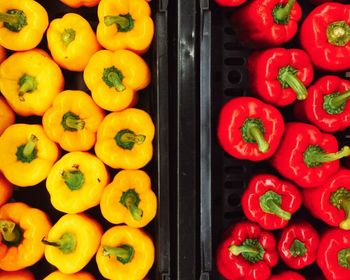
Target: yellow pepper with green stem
x,y
22,24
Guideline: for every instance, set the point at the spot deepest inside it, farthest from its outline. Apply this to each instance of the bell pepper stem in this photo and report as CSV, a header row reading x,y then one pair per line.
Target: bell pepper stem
x,y
9,18
76,124
130,199
7,230
110,20
66,244
126,139
298,248
123,254
287,77
281,13
237,250
26,84
30,145
256,133
270,202
251,250
113,78
74,179
344,258
345,224
68,36
338,33
278,211
328,157
339,100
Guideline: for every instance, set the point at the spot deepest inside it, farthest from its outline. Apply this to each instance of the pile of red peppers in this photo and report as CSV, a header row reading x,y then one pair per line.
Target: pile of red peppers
x,y
297,214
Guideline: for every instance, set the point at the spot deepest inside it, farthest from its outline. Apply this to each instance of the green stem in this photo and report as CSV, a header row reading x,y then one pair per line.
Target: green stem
x,y
27,152
314,155
339,100
270,202
74,179
341,200
344,258
72,122
130,199
113,78
334,103
258,136
66,244
126,139
68,36
338,33
27,84
237,250
123,254
281,13
287,77
14,20
30,146
12,234
298,248
251,250
9,18
125,23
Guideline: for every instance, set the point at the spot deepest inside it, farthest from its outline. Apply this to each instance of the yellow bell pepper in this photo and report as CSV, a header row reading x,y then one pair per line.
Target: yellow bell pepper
x,y
73,120
26,154
80,3
22,24
57,275
7,116
72,242
124,139
125,24
6,190
76,182
22,228
71,41
3,54
129,199
30,81
16,275
115,77
125,253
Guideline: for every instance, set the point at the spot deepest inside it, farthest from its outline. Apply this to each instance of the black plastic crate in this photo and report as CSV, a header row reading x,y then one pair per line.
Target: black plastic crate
x,y
155,100
223,76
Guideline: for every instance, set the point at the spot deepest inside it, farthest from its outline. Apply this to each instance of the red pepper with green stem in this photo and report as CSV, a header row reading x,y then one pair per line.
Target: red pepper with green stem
x,y
230,3
266,23
247,253
307,156
325,35
270,201
287,275
333,255
279,76
327,106
331,201
298,244
249,129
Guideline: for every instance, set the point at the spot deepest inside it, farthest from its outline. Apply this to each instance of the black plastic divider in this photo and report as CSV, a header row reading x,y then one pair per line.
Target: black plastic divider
x,y
155,100
187,117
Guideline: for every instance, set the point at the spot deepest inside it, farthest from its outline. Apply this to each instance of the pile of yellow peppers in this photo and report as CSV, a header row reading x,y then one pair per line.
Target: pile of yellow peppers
x,y
81,139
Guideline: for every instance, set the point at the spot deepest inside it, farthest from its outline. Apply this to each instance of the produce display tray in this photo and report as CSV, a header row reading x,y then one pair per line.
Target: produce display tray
x,y
223,76
155,100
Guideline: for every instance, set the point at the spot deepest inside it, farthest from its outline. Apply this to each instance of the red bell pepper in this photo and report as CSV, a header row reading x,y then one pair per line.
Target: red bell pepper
x,y
249,129
319,2
266,23
230,3
325,35
298,245
307,156
247,253
288,275
327,106
331,201
333,254
279,76
270,201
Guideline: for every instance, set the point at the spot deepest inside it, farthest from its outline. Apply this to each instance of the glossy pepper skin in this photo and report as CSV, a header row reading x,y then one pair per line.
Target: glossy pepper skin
x,y
16,275
76,182
80,3
129,199
247,253
266,23
26,154
6,190
249,129
125,253
3,54
270,201
125,24
124,139
298,244
319,2
7,116
30,81
72,41
331,201
307,156
327,106
72,120
72,242
288,274
22,229
22,24
57,275
333,252
115,77
279,76
230,3
325,35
